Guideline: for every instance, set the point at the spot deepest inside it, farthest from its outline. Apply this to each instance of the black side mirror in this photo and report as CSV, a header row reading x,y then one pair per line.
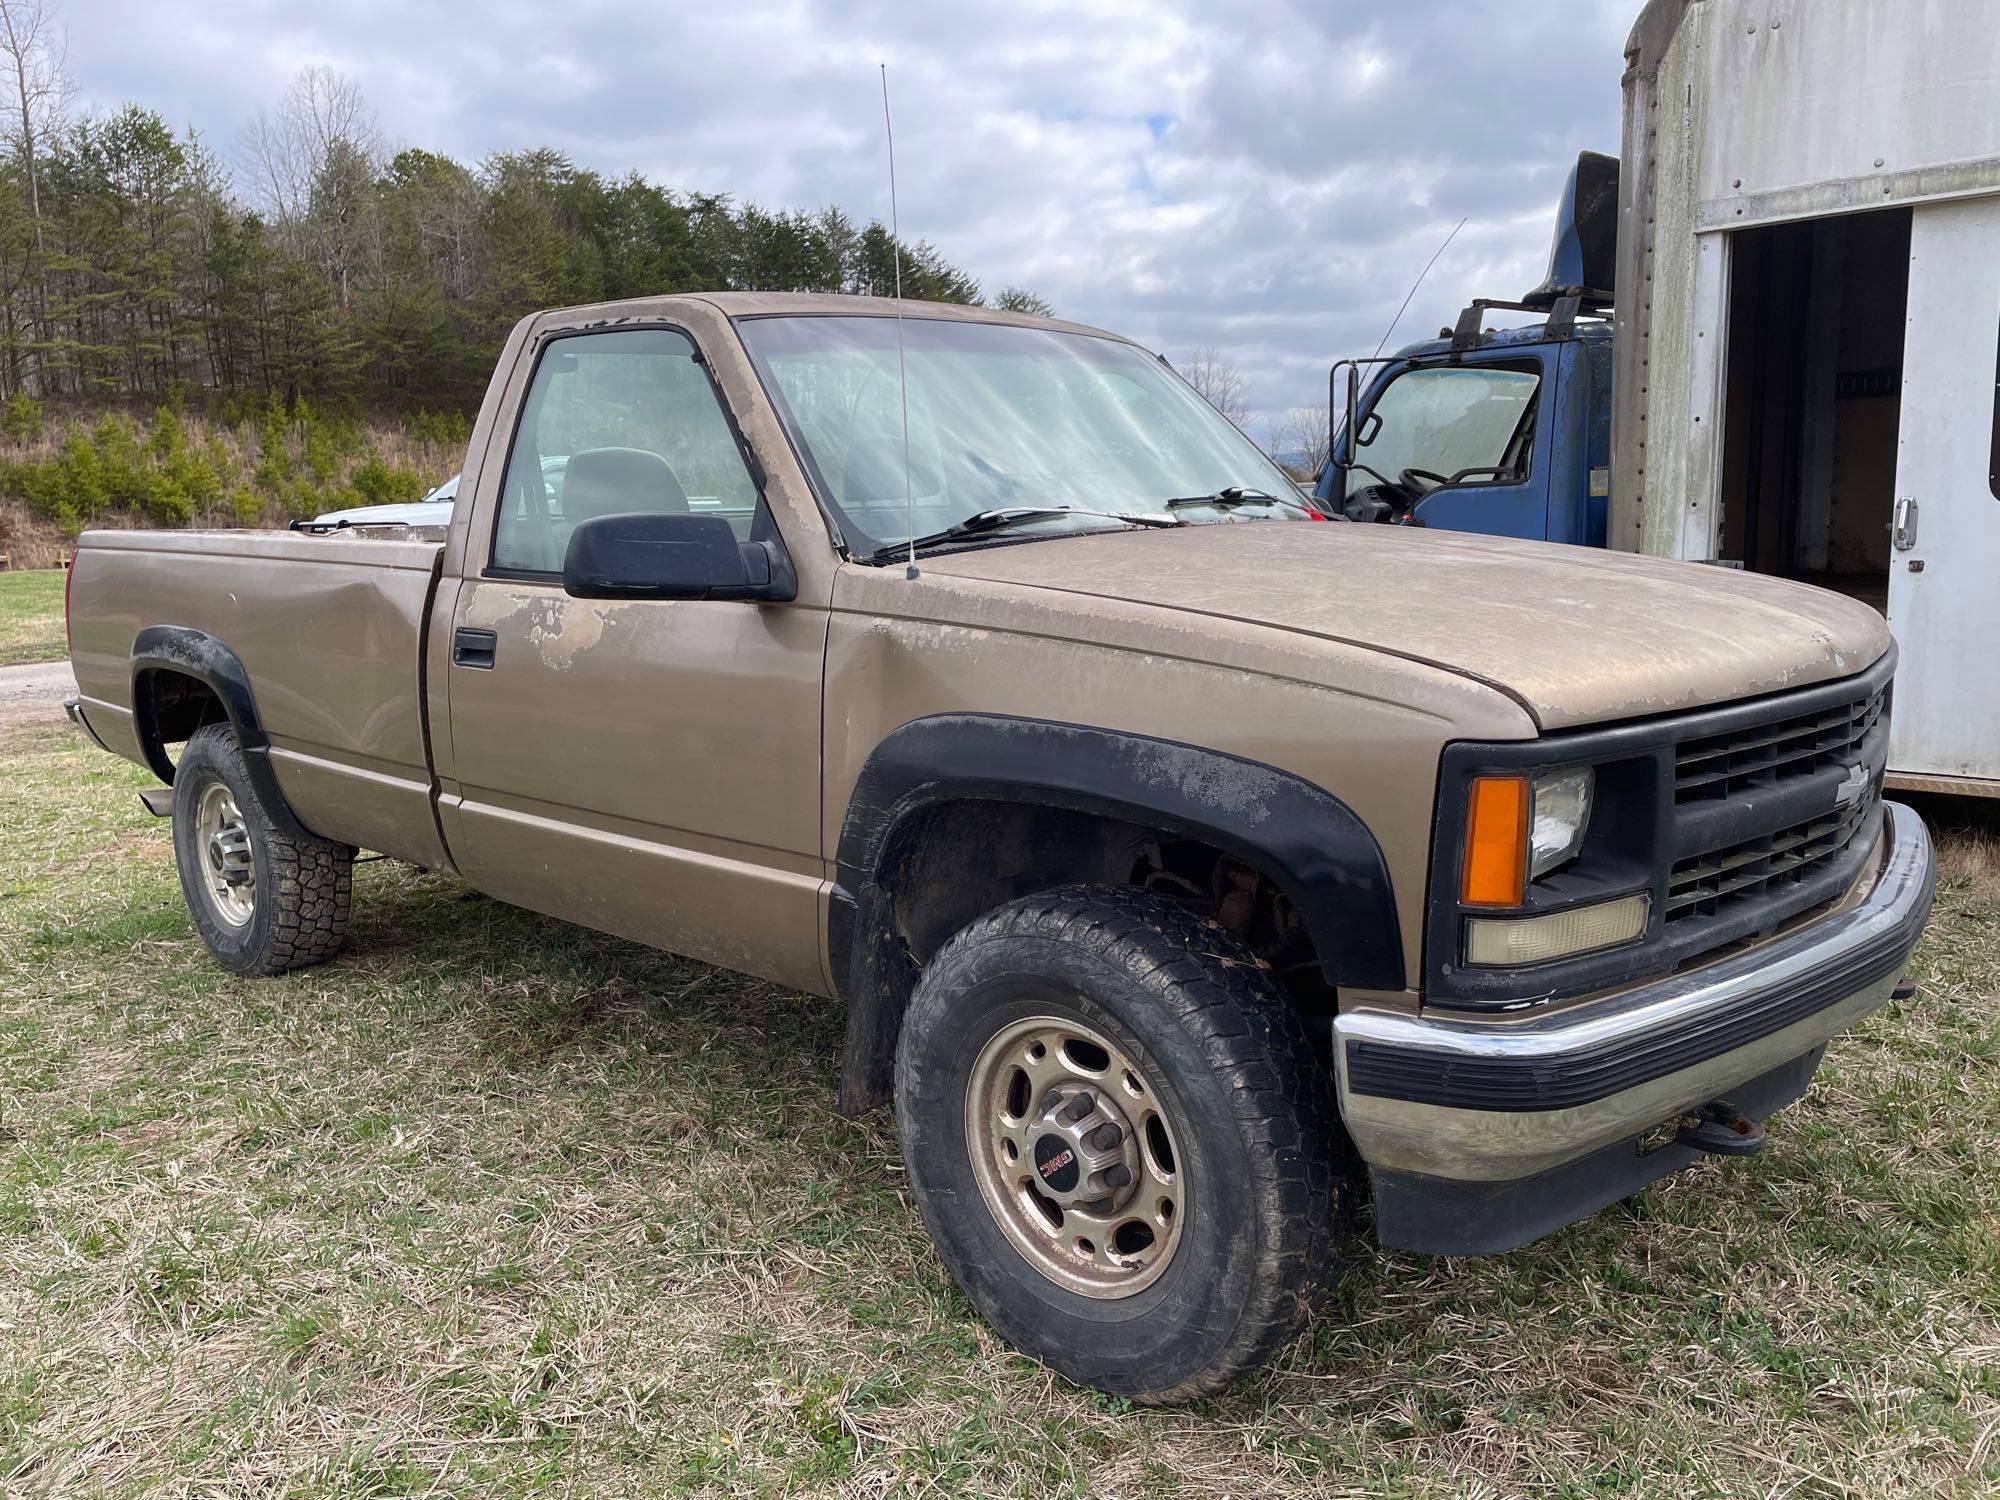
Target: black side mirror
x,y
672,555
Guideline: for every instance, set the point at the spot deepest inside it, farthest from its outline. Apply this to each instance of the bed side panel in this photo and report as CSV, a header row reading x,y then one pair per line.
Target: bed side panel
x,y
330,632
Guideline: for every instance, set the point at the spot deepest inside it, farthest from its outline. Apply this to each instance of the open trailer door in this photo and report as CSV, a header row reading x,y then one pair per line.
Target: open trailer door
x,y
1944,596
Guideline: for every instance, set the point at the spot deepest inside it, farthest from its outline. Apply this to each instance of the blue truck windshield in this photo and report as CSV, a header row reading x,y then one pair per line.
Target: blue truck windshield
x,y
1444,419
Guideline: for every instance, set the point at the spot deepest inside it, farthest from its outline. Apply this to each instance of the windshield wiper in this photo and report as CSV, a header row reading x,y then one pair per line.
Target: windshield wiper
x,y
983,522
1234,495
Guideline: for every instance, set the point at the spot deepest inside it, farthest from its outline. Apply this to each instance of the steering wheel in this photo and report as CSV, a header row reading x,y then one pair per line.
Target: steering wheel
x,y
1422,481
1389,504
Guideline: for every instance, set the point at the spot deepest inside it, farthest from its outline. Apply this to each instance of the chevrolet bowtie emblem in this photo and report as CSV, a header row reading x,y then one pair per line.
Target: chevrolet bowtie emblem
x,y
1853,787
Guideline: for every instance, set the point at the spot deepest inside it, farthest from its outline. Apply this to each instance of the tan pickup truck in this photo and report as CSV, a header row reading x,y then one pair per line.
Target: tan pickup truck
x,y
1188,863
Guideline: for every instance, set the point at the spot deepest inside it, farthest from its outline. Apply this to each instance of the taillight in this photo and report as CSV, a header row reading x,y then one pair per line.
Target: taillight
x,y
69,577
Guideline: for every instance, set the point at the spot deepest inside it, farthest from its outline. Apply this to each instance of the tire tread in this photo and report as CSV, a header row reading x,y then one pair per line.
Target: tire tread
x,y
1254,1042
312,878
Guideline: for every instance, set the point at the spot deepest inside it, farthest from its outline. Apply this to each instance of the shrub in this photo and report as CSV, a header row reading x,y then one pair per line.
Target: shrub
x,y
322,457
274,459
69,488
42,488
345,430
82,478
169,433
167,501
377,483
304,499
175,466
192,473
121,457
21,420
446,428
221,462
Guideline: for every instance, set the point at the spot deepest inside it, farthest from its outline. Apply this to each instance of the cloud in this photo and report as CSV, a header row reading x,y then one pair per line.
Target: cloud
x,y
1263,176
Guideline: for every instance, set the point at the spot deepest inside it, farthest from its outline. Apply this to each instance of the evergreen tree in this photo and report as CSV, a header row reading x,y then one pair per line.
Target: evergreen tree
x,y
130,264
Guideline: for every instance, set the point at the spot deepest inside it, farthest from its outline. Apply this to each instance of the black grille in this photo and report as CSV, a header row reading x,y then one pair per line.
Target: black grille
x,y
1769,813
1735,820
1757,869
1719,766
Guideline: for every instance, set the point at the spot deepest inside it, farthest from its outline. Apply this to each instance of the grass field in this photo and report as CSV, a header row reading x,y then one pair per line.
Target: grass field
x,y
491,1204
31,616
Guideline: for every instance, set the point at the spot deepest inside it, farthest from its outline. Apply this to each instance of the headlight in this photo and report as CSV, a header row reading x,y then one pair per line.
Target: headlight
x,y
1562,813
1517,830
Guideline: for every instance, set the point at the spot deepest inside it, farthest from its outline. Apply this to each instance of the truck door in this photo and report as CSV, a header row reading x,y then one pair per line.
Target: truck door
x,y
1465,441
1945,529
645,767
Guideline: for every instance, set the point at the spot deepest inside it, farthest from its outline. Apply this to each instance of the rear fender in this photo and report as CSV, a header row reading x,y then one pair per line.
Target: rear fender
x,y
160,650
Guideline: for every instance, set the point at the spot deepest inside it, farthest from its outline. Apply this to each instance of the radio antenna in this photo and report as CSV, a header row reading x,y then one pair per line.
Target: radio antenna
x,y
902,368
1414,285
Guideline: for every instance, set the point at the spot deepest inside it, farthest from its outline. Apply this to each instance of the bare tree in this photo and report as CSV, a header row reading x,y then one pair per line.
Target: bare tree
x,y
1218,382
1020,300
1300,441
33,107
32,48
309,165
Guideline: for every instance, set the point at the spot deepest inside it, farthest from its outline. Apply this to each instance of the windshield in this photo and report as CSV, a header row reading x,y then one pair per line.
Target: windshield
x,y
1444,420
1000,416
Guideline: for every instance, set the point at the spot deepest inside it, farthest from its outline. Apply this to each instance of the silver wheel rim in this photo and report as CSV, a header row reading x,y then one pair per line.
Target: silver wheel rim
x,y
222,843
1075,1156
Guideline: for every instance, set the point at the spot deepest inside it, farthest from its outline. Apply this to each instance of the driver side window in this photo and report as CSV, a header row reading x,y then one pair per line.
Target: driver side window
x,y
1444,420
615,423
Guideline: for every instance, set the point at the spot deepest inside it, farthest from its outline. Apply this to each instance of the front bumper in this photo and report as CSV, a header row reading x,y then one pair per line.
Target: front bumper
x,y
1483,1135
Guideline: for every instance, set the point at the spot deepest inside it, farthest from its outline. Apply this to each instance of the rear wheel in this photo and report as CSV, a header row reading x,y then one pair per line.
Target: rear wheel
x,y
263,902
1121,1141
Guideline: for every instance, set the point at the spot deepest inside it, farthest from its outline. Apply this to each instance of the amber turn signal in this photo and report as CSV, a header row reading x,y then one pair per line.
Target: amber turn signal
x,y
1496,841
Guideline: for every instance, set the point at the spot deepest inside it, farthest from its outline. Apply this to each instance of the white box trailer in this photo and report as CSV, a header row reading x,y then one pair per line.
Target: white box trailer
x,y
1807,347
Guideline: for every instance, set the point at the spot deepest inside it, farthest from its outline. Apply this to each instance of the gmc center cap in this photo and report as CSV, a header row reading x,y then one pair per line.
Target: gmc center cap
x,y
1055,1161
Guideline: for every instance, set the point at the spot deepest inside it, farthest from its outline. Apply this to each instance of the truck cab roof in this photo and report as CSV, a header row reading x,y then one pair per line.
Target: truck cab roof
x,y
735,305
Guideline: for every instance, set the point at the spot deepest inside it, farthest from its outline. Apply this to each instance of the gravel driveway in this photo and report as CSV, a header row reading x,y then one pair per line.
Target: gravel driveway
x,y
34,694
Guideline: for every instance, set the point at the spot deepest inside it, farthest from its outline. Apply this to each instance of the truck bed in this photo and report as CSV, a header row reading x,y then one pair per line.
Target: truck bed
x,y
331,630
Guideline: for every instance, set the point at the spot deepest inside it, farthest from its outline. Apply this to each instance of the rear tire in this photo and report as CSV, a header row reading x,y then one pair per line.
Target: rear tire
x,y
1209,1126
263,902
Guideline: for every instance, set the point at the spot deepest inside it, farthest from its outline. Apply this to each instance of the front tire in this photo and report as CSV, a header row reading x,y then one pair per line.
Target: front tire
x,y
262,902
1121,1141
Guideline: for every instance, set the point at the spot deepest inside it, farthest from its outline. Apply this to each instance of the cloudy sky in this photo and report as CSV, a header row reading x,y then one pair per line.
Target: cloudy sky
x,y
1262,176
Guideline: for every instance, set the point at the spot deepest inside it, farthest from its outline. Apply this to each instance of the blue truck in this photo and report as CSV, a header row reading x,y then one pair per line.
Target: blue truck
x,y
1801,263
1504,432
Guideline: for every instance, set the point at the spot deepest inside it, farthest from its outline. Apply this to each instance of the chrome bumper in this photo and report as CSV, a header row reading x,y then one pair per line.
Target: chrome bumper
x,y
1490,1102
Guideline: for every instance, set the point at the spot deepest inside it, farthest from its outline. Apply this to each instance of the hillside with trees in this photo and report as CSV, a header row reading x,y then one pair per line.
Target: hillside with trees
x,y
307,317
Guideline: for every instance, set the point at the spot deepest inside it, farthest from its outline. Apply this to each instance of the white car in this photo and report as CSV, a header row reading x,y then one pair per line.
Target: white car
x,y
433,509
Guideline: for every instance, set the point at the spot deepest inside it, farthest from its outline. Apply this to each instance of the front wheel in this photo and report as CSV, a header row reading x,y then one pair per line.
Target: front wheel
x,y
1121,1141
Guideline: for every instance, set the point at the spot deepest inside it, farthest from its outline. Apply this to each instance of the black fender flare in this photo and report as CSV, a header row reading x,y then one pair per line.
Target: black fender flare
x,y
197,654
1315,847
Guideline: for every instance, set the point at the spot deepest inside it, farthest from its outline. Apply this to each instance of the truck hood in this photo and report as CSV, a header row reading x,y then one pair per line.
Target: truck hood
x,y
1575,636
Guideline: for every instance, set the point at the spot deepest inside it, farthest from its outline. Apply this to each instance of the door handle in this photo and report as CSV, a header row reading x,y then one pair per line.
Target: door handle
x,y
1904,533
473,648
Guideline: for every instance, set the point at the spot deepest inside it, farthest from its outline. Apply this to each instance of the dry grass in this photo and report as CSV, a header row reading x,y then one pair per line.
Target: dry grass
x,y
1970,858
37,544
491,1204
